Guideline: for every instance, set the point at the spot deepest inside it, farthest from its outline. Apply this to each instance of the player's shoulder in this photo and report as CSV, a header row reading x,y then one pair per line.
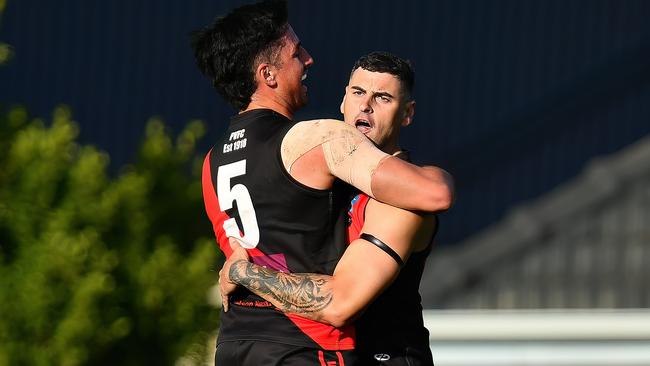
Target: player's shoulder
x,y
318,122
323,124
314,132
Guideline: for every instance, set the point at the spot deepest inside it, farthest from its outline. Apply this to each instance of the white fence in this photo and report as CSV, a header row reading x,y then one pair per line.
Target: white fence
x,y
540,338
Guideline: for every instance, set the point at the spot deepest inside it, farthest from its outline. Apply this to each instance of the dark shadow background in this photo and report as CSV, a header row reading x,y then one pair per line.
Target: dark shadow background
x,y
514,97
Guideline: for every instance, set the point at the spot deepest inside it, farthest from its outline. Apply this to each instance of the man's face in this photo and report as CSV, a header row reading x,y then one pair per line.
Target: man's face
x,y
374,104
291,70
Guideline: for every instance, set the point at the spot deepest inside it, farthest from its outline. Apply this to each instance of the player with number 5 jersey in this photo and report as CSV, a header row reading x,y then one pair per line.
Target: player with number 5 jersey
x,y
284,224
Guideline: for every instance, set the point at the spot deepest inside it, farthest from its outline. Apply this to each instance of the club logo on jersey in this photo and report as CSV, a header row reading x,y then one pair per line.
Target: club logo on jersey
x,y
382,357
236,141
354,200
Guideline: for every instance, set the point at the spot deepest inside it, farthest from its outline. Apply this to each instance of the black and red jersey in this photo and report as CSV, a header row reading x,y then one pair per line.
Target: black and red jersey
x,y
392,326
283,224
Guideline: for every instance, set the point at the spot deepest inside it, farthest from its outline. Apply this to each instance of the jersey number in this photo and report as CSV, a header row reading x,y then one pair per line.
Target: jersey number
x,y
240,194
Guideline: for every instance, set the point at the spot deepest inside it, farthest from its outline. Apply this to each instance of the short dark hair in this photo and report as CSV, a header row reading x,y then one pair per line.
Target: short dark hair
x,y
228,50
388,63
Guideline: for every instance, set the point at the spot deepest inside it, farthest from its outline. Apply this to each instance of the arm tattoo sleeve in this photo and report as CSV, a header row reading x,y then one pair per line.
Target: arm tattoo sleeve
x,y
300,293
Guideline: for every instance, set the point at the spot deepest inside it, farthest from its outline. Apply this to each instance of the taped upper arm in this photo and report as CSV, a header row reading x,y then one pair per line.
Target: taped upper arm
x,y
303,137
348,154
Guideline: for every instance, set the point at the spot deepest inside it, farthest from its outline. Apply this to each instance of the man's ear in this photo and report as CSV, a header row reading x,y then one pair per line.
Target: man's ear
x,y
265,74
409,113
341,107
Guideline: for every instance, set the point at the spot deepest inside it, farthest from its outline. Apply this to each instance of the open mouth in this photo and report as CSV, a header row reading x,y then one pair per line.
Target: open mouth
x,y
302,81
363,125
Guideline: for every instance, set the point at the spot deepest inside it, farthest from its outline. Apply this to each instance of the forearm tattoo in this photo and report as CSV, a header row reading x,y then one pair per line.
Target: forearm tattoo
x,y
300,293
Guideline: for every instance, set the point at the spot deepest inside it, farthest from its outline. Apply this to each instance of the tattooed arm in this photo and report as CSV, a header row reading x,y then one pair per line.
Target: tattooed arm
x,y
360,276
293,292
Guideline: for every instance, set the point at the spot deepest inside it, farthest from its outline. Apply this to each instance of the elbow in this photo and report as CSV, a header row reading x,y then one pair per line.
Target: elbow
x,y
338,317
443,200
339,321
441,194
437,203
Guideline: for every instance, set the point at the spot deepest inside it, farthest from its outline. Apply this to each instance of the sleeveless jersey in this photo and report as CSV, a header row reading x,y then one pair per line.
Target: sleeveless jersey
x,y
392,324
283,224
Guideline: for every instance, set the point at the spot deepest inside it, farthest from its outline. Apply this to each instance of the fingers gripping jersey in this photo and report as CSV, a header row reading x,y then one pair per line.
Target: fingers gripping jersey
x,y
283,224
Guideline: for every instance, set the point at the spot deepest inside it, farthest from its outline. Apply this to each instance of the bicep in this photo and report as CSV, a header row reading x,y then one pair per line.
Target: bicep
x,y
361,275
365,270
395,227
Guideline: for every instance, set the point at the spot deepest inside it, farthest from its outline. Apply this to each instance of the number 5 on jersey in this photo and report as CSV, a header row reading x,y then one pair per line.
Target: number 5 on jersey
x,y
238,193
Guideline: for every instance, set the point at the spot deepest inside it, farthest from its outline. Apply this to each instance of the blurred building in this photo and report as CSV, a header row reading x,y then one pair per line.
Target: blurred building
x,y
586,244
562,280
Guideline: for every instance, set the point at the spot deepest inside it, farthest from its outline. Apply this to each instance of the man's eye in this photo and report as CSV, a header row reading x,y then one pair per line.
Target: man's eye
x,y
357,92
383,98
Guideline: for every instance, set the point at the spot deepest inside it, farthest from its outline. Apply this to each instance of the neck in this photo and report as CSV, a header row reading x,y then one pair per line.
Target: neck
x,y
391,147
260,102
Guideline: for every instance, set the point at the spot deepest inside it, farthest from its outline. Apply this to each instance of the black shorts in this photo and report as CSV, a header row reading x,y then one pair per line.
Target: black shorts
x,y
408,356
257,353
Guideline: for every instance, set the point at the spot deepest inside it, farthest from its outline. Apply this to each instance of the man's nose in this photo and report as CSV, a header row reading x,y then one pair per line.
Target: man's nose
x,y
365,106
308,59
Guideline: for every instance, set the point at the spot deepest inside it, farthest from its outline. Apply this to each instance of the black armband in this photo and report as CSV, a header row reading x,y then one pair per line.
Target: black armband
x,y
381,245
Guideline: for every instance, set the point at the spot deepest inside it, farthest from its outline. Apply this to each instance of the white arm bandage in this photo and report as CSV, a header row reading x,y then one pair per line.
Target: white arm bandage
x,y
349,154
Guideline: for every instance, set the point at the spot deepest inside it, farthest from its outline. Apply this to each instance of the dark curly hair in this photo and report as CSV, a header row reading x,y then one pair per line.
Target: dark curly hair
x,y
229,50
388,63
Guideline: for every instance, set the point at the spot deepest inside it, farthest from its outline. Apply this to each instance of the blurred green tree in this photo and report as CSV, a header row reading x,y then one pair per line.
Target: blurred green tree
x,y
96,270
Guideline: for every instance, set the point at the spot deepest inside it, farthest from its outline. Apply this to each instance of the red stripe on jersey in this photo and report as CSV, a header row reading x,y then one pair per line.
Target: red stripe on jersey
x,y
326,336
321,358
340,356
212,207
217,217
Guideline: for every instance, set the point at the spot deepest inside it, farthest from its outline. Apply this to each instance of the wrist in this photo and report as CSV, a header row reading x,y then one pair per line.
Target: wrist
x,y
236,271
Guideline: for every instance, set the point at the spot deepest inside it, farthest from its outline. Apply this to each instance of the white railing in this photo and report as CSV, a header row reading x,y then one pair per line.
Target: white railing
x,y
540,337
